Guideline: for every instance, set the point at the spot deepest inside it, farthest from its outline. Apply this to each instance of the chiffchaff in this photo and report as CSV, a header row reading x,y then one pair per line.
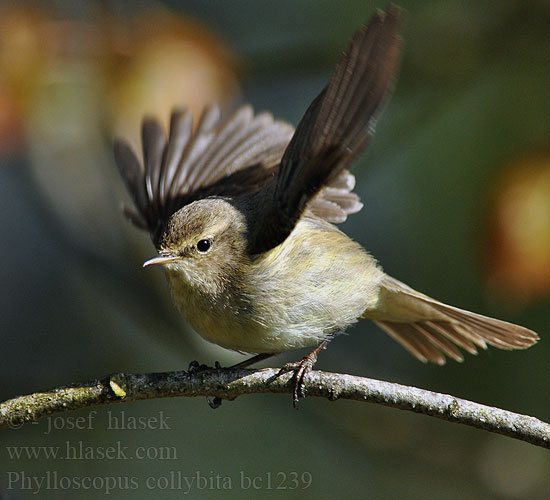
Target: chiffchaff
x,y
241,213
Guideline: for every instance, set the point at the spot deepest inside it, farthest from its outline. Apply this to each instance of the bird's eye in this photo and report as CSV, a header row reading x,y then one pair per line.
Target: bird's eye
x,y
204,245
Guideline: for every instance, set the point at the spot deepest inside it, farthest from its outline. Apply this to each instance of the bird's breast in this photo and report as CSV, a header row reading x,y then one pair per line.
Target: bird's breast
x,y
316,283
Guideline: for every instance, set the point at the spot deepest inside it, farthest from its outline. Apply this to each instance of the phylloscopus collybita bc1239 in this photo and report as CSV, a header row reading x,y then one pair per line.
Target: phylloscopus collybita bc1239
x,y
242,213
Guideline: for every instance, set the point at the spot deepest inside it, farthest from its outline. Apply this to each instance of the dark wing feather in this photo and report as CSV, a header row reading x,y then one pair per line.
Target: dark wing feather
x,y
333,131
154,144
133,174
181,129
242,154
227,158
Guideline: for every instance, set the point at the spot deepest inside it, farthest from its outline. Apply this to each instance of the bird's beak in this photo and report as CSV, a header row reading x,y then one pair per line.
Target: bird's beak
x,y
161,259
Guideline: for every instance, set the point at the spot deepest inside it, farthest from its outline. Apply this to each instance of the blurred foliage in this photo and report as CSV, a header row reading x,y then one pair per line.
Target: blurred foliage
x,y
456,193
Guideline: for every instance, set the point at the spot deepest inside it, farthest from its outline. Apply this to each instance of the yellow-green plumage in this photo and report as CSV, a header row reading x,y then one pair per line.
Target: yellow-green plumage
x,y
314,284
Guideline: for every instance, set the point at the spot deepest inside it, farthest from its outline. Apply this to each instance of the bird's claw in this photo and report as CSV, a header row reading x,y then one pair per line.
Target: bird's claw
x,y
214,403
194,368
300,369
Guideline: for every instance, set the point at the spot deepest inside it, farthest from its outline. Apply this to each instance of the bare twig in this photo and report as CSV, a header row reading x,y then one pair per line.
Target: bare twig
x,y
231,383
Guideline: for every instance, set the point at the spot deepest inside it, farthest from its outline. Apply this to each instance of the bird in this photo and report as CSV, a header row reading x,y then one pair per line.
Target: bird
x,y
243,210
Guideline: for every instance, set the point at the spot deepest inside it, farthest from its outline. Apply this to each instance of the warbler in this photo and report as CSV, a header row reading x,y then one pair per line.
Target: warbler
x,y
242,213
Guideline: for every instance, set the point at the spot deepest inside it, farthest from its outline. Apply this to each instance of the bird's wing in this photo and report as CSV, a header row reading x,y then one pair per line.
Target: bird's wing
x,y
223,158
242,154
333,131
220,158
336,200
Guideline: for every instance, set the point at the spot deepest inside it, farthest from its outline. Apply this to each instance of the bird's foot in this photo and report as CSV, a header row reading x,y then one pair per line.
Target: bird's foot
x,y
214,403
194,368
301,369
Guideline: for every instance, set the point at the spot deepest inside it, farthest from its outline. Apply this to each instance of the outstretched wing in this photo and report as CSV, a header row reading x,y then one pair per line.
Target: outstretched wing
x,y
242,154
229,158
333,131
223,158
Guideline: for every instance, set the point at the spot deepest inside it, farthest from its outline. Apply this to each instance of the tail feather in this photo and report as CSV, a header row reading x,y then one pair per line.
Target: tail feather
x,y
419,345
461,337
495,332
430,329
440,339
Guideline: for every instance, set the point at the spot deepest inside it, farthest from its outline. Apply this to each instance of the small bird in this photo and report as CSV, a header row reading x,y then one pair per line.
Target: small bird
x,y
242,213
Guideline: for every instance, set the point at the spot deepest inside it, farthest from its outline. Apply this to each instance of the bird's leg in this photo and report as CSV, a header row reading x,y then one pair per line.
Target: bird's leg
x,y
195,367
301,369
216,402
254,359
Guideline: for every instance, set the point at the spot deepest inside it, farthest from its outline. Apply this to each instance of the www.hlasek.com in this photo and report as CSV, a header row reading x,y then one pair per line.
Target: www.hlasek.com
x,y
173,480
79,450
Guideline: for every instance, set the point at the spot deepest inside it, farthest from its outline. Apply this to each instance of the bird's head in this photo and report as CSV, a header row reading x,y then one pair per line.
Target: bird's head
x,y
204,243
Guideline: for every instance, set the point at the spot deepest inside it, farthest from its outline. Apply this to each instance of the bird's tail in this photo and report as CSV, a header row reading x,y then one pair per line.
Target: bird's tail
x,y
430,329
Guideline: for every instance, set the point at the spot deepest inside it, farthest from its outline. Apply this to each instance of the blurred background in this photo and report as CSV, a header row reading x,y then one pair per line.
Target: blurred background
x,y
456,187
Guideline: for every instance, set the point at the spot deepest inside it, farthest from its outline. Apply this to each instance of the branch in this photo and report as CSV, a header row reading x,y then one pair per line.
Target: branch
x,y
230,383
